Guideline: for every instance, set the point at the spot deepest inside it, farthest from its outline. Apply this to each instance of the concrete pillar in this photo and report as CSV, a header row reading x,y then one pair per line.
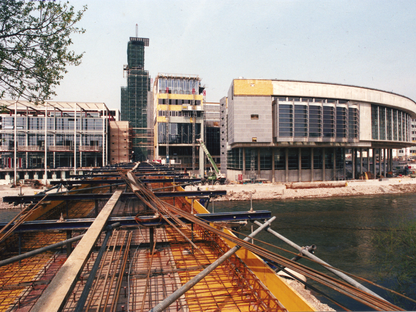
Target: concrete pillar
x,y
273,169
344,169
385,161
287,164
374,164
299,164
353,158
258,163
334,171
323,164
361,161
244,162
312,173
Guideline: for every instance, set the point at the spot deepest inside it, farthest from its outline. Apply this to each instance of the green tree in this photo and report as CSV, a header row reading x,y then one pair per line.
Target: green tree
x,y
34,41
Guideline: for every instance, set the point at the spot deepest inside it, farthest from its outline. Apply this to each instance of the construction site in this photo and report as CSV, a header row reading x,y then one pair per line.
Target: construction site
x,y
132,239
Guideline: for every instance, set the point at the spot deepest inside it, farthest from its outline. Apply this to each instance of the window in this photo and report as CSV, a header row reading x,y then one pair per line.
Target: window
x,y
301,121
253,139
280,159
374,122
315,121
341,122
254,117
329,121
285,120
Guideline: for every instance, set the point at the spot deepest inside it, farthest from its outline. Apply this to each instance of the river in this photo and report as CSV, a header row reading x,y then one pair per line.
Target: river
x,y
343,229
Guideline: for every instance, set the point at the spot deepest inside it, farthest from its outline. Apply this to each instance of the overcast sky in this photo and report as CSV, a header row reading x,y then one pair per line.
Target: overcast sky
x,y
369,43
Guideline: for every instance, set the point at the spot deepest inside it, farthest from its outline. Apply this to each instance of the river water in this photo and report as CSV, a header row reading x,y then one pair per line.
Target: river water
x,y
342,228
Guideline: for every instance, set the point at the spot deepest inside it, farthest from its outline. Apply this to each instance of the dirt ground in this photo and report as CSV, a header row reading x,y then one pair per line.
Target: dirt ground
x,y
312,189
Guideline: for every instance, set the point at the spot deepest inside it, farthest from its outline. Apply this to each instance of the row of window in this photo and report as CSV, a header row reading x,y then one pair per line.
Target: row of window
x,y
178,85
179,102
7,140
58,123
235,159
316,121
178,133
311,100
180,113
390,124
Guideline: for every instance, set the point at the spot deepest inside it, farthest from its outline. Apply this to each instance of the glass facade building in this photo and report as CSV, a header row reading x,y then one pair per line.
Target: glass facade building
x,y
304,131
134,97
53,136
179,120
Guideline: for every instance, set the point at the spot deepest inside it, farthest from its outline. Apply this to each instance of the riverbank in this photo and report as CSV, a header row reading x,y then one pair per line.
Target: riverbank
x,y
298,190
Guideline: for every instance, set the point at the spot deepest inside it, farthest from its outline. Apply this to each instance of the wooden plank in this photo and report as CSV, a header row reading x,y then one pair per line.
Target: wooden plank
x,y
55,296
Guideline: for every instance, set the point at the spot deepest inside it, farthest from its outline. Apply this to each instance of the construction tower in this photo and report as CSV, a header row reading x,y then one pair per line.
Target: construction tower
x,y
134,97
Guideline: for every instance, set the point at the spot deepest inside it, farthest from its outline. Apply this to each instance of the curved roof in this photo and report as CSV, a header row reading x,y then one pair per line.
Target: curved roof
x,y
323,90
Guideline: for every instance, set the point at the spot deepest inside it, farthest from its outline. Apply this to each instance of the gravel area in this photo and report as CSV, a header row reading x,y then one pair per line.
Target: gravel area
x,y
312,189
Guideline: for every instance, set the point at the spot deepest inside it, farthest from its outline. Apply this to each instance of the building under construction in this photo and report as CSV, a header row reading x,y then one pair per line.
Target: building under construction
x,y
134,97
134,240
179,121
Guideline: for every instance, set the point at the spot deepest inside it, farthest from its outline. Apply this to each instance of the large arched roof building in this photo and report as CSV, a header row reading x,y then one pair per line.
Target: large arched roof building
x,y
286,131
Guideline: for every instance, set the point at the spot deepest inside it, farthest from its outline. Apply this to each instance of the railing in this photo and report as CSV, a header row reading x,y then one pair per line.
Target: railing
x,y
87,148
60,148
5,149
30,148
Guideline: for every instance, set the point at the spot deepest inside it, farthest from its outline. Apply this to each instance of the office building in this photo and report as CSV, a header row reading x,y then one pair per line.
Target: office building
x,y
134,97
50,140
288,131
179,121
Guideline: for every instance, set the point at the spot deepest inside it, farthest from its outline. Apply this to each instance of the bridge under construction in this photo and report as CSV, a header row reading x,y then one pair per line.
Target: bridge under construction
x,y
132,239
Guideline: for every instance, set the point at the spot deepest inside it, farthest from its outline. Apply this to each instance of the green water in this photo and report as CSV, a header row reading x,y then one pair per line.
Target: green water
x,y
342,228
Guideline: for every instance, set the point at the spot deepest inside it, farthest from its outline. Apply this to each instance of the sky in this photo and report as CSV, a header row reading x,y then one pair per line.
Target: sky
x,y
368,43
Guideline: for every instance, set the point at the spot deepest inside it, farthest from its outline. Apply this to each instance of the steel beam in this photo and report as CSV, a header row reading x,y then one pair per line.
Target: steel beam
x,y
179,180
105,196
85,223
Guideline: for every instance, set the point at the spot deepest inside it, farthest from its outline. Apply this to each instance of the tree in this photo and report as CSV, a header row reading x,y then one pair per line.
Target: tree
x,y
34,41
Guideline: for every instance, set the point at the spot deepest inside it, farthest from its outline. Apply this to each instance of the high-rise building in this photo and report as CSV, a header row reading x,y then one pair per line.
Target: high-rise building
x,y
179,121
134,97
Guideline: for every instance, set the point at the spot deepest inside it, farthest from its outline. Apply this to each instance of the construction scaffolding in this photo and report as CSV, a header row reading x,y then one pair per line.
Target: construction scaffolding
x,y
134,97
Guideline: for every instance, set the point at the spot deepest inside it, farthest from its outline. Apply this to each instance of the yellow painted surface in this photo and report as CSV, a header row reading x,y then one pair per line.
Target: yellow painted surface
x,y
180,96
253,87
289,297
164,107
161,119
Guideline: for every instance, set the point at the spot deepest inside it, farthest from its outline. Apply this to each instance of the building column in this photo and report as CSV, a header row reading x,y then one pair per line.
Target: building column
x,y
353,158
201,153
312,172
287,164
273,169
368,160
334,170
361,161
258,163
323,164
344,168
244,162
374,163
300,164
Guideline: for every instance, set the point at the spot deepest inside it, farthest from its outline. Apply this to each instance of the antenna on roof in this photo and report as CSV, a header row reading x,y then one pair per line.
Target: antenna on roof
x,y
137,30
